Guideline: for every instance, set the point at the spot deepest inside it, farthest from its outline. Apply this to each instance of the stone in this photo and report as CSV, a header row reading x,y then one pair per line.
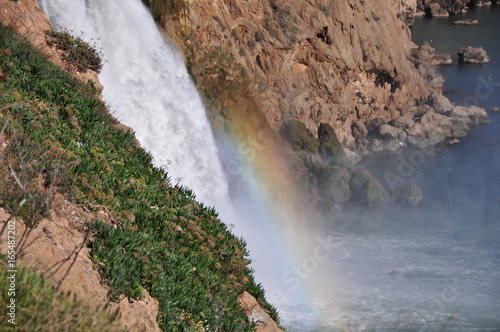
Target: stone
x,y
471,54
495,109
436,123
409,195
440,103
466,22
298,136
435,10
459,129
389,132
429,54
334,185
403,122
326,134
367,190
431,129
442,7
470,115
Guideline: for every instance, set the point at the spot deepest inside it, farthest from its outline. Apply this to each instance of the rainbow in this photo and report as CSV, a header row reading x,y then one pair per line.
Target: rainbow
x,y
280,228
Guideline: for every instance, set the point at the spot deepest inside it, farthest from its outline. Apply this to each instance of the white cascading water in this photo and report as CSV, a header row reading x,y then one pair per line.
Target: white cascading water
x,y
148,88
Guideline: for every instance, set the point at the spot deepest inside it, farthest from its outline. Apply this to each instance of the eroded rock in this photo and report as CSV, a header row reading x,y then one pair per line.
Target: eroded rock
x,y
409,195
471,54
466,22
470,115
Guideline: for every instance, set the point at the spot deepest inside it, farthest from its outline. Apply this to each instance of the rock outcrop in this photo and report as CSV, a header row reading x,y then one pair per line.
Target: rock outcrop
x,y
316,61
471,54
426,53
438,8
437,122
58,248
466,22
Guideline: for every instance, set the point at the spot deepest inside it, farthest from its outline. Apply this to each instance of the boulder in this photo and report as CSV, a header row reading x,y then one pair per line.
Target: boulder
x,y
442,7
459,129
334,189
389,132
435,10
367,190
466,22
471,54
403,122
431,129
470,115
359,130
429,54
409,195
436,123
440,103
299,137
330,148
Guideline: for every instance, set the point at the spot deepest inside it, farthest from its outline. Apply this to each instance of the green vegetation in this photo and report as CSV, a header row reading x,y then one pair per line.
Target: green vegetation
x,y
76,51
58,137
374,16
41,308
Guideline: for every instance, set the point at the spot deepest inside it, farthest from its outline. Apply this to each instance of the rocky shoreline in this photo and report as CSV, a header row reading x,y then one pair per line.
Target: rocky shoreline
x,y
341,180
443,8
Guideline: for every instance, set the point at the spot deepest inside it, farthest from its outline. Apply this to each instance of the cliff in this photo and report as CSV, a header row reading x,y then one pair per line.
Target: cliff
x,y
339,63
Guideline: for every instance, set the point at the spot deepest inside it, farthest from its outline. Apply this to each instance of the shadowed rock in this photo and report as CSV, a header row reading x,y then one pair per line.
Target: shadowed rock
x,y
409,195
466,22
471,54
299,137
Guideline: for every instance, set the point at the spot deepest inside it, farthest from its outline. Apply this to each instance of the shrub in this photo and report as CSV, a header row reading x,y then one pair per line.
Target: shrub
x,y
76,51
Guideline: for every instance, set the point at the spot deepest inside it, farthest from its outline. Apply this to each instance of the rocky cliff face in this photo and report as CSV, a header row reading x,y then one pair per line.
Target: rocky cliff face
x,y
340,63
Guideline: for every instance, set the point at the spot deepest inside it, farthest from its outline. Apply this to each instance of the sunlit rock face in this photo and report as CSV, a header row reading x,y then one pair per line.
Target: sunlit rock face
x,y
335,62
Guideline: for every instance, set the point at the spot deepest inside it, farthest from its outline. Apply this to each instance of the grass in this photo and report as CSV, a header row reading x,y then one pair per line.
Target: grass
x,y
40,308
162,240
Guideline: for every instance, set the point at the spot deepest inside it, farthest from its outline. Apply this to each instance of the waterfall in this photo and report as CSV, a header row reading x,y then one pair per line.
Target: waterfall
x,y
148,88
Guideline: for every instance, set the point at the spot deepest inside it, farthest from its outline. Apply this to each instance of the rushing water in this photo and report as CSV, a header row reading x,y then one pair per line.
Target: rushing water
x,y
148,88
394,269
436,267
